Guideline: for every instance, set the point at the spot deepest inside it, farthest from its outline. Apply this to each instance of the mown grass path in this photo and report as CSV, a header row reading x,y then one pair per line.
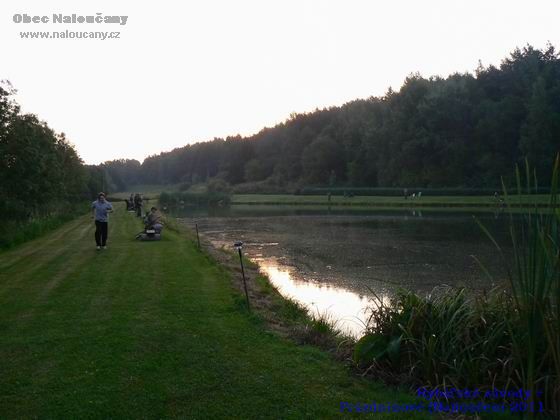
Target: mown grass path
x,y
149,329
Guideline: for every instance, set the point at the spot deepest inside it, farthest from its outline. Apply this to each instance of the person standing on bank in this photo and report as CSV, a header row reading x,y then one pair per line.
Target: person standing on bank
x,y
101,207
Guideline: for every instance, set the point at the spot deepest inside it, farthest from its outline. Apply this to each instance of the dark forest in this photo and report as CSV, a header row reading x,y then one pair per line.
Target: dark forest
x,y
463,131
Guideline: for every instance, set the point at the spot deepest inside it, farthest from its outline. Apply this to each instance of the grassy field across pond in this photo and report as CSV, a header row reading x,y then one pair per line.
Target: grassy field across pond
x,y
387,201
150,330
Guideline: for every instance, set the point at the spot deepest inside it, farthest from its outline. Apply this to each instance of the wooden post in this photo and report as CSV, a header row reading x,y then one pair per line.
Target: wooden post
x,y
244,281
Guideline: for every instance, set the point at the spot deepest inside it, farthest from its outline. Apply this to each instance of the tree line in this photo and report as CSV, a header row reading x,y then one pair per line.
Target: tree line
x,y
465,131
41,171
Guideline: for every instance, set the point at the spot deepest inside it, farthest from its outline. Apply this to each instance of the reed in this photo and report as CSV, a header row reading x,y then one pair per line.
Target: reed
x,y
507,338
534,279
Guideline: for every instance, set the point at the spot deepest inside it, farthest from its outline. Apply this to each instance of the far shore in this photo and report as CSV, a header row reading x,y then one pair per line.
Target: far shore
x,y
455,202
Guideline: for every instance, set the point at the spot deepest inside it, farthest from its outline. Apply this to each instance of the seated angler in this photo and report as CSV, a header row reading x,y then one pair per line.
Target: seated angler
x,y
153,220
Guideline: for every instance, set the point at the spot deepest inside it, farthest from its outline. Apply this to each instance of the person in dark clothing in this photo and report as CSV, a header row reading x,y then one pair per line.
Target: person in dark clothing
x,y
101,207
153,220
139,206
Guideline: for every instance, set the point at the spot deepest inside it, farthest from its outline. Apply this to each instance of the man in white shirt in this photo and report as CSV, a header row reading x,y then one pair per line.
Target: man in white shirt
x,y
101,207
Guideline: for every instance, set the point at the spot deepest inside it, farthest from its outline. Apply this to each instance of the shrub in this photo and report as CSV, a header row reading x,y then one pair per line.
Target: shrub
x,y
504,339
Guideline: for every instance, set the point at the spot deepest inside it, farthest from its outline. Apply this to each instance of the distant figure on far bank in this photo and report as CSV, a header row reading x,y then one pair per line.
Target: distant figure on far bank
x,y
130,203
499,200
101,207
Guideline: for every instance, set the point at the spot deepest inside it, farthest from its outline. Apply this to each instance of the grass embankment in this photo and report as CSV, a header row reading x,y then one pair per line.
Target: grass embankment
x,y
13,233
386,201
149,329
457,203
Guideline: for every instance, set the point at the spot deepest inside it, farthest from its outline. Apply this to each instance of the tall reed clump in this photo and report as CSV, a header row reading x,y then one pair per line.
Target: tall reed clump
x,y
444,339
503,339
534,278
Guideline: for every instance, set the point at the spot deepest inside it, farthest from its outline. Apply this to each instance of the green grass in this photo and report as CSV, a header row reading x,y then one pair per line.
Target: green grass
x,y
464,202
425,201
13,233
149,329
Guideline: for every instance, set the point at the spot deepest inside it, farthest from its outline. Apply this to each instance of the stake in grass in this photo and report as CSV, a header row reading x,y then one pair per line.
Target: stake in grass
x,y
239,246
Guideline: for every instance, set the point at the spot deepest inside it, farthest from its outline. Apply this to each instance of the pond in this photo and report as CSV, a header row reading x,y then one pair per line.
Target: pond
x,y
333,260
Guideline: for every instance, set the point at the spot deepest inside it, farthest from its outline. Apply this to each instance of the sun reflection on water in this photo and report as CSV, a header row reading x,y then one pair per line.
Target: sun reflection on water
x,y
347,308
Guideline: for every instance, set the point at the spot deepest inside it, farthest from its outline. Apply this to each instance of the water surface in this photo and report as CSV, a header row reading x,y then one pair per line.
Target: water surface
x,y
332,260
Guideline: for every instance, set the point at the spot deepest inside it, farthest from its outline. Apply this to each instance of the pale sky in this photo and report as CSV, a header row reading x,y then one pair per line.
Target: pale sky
x,y
189,71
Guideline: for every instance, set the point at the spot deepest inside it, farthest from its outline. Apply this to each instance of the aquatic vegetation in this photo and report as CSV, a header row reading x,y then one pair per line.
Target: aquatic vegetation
x,y
508,338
